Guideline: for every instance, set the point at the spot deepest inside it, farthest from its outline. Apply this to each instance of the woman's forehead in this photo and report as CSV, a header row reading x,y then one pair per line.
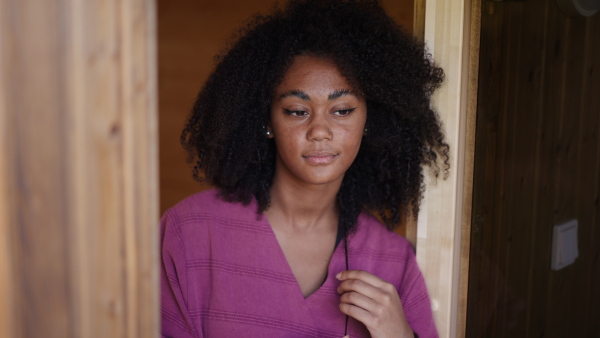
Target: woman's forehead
x,y
310,75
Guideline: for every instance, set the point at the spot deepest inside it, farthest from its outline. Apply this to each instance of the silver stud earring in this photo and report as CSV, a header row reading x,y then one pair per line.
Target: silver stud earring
x,y
365,130
267,132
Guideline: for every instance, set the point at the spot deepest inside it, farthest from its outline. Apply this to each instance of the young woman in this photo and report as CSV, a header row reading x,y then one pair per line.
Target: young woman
x,y
315,118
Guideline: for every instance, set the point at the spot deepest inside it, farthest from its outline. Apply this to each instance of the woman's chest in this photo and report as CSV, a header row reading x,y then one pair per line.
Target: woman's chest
x,y
251,290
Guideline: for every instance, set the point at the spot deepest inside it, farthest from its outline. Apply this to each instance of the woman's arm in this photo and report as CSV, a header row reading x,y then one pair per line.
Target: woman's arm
x,y
175,319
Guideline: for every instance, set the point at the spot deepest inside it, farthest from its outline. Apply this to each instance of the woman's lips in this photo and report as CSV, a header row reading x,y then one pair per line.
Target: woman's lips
x,y
319,158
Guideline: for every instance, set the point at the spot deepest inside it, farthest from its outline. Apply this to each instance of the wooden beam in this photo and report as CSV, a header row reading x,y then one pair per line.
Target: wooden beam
x,y
451,35
78,157
469,162
6,287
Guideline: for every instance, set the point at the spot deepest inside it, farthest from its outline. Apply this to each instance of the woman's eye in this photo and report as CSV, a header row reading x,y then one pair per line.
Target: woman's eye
x,y
297,113
344,112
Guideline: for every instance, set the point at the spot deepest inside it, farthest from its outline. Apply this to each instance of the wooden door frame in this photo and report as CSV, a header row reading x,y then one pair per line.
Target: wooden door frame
x,y
451,31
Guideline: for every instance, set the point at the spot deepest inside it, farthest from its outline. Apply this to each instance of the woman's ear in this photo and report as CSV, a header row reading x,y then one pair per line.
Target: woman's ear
x,y
268,131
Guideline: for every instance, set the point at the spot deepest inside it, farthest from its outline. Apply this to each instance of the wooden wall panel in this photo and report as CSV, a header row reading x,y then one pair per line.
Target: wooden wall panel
x,y
469,159
6,286
79,191
536,164
588,183
7,308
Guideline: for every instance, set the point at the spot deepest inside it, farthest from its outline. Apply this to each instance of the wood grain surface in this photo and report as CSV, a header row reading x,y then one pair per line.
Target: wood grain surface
x,y
451,33
79,169
536,164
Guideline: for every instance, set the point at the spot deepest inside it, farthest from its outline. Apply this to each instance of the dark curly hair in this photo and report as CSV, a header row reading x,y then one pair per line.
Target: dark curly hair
x,y
225,134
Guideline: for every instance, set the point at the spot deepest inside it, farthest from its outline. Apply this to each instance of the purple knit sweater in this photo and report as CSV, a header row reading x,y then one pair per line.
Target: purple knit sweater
x,y
224,275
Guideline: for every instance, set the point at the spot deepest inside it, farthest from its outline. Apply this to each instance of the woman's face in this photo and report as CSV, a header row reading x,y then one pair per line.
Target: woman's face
x,y
317,121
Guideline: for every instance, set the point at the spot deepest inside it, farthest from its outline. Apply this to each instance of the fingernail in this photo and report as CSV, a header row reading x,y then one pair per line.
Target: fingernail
x,y
339,275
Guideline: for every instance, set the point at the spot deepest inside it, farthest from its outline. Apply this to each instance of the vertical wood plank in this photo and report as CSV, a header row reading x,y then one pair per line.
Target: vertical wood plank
x,y
591,137
496,260
6,206
469,162
440,223
551,159
142,208
38,219
566,198
489,129
80,115
583,320
533,101
539,240
524,113
6,286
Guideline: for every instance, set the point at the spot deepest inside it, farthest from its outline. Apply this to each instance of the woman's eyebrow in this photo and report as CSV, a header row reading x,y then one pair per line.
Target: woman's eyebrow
x,y
303,96
339,93
297,93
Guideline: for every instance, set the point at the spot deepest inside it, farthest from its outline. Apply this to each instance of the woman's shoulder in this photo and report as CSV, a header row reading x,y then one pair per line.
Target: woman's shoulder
x,y
372,235
204,220
208,205
198,202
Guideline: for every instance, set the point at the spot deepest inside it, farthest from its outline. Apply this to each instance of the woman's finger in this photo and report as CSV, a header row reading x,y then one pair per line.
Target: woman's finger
x,y
358,299
357,313
359,286
361,275
380,290
374,302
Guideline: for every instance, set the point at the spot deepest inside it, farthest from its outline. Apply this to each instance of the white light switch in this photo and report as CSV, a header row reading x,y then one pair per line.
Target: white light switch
x,y
564,244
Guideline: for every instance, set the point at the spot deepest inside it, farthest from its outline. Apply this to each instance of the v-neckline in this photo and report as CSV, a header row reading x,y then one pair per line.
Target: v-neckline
x,y
283,262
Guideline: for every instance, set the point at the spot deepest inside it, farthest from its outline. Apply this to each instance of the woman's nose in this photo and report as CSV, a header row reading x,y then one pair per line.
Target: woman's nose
x,y
319,130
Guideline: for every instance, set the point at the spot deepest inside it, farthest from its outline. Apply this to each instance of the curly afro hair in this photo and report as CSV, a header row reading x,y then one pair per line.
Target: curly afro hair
x,y
225,134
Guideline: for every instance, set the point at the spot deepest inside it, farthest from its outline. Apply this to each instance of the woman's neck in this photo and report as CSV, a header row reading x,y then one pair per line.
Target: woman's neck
x,y
304,206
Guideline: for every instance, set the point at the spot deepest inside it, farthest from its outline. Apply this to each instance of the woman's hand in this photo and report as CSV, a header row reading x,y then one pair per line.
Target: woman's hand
x,y
374,302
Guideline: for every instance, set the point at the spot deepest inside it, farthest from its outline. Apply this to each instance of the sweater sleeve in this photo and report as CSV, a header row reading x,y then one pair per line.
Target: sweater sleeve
x,y
175,318
416,302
